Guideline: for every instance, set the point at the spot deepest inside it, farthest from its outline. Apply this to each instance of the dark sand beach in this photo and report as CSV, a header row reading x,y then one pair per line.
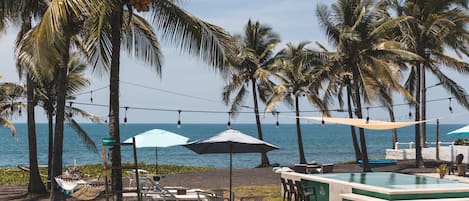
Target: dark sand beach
x,y
219,178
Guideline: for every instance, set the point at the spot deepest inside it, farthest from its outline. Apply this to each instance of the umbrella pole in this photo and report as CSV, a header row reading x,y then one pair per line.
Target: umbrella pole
x,y
156,160
231,169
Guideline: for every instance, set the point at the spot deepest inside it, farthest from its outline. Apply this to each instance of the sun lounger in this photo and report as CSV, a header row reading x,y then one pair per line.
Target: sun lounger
x,y
80,189
68,186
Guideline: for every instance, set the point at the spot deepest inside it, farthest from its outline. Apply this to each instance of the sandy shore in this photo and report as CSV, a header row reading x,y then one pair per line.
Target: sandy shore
x,y
219,178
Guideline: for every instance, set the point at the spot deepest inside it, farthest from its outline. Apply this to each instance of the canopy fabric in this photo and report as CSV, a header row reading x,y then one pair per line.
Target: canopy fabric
x,y
464,131
362,123
230,141
158,138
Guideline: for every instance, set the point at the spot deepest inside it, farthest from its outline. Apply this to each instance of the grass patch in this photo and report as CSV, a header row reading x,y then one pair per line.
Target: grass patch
x,y
15,176
269,192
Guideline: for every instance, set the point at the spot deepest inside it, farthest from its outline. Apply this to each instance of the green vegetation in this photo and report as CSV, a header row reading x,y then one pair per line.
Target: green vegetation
x,y
15,176
269,192
461,141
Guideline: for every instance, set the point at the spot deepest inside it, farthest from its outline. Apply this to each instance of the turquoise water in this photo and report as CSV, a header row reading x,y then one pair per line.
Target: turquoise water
x,y
395,180
328,144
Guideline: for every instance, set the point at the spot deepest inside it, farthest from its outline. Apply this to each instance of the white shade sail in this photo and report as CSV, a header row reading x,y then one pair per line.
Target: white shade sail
x,y
363,123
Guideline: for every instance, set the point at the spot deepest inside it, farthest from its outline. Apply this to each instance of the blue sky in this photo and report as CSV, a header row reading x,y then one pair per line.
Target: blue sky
x,y
294,21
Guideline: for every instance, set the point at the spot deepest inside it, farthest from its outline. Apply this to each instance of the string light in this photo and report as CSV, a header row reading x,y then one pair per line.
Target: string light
x,y
125,115
70,112
91,96
450,108
249,112
277,124
179,119
367,114
410,113
323,123
228,125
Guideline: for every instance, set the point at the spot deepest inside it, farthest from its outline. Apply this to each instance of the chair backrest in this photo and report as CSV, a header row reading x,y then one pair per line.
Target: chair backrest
x,y
291,186
284,184
300,189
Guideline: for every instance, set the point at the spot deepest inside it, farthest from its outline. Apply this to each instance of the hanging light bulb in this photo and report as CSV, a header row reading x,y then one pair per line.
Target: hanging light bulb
x,y
277,124
410,113
179,119
450,108
19,111
367,114
323,123
125,115
228,125
70,112
91,96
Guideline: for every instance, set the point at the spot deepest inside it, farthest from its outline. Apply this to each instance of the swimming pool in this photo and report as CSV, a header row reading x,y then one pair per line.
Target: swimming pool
x,y
382,185
395,180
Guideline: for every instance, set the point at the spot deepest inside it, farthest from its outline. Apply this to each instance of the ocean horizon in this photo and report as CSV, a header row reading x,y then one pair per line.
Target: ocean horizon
x,y
330,143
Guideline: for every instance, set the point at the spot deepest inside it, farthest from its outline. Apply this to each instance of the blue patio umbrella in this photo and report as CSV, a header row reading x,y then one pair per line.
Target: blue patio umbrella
x,y
464,131
157,138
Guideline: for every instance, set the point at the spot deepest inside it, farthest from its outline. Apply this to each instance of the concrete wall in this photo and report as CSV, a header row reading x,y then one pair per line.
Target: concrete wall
x,y
446,153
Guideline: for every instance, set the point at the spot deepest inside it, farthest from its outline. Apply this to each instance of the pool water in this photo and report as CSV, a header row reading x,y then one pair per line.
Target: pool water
x,y
392,180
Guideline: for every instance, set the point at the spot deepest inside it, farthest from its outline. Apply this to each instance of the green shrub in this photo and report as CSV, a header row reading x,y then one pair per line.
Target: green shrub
x,y
461,141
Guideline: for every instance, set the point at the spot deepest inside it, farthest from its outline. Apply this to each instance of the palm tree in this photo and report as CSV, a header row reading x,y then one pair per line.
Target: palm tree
x,y
254,52
22,11
177,26
46,94
434,27
359,30
60,22
301,73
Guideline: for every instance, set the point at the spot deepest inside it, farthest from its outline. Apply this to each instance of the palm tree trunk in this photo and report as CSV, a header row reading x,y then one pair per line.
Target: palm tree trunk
x,y
393,119
356,147
116,170
61,82
298,132
50,124
264,158
418,147
359,114
423,91
35,185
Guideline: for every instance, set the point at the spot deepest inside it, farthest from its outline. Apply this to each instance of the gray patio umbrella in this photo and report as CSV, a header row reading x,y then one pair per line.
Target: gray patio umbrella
x,y
230,141
157,138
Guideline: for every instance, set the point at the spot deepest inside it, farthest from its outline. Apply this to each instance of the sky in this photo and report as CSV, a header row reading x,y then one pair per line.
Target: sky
x,y
188,84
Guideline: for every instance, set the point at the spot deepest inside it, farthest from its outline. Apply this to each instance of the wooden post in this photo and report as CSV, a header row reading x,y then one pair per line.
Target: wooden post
x,y
136,170
437,139
106,192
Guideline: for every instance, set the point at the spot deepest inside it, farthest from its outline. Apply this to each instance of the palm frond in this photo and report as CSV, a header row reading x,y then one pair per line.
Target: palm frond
x,y
140,41
89,143
84,114
456,90
191,34
10,126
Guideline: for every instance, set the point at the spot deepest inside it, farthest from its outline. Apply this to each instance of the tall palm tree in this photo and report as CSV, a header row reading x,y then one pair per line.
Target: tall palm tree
x,y
59,23
435,26
301,72
46,94
254,51
198,38
359,30
21,12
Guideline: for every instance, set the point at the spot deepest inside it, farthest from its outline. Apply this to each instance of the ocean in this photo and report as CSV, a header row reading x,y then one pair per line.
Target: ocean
x,y
324,144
